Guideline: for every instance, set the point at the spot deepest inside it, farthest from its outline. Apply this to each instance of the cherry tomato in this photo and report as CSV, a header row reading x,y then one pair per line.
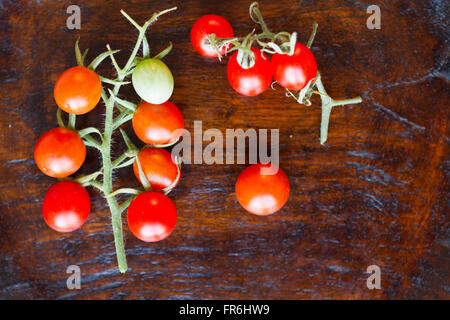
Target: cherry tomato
x,y
77,90
59,152
262,194
251,81
294,72
158,123
151,216
66,206
158,167
206,25
153,81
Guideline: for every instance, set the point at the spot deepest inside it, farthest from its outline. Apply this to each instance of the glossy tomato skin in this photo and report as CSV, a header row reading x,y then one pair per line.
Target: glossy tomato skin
x,y
262,194
294,72
158,124
59,152
251,81
151,216
77,90
206,25
66,206
158,167
153,81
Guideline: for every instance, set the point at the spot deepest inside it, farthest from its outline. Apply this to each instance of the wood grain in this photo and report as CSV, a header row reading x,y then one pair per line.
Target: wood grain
x,y
377,193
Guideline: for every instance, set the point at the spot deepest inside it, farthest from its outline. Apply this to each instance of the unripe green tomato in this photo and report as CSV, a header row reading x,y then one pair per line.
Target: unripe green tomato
x,y
153,81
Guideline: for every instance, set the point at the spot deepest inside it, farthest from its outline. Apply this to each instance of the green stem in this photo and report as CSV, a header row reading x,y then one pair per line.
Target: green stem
x,y
346,101
91,142
119,160
108,167
86,179
313,35
324,123
97,185
259,19
59,118
121,119
72,121
125,191
124,205
327,105
116,220
108,188
116,217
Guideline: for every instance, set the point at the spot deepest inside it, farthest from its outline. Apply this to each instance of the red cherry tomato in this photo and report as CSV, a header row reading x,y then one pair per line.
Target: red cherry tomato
x,y
262,194
151,216
206,25
158,123
158,167
77,90
251,81
294,72
59,152
66,206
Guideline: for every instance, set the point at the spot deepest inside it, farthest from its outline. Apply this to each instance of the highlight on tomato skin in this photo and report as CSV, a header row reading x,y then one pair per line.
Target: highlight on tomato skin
x,y
77,90
294,72
259,193
151,216
66,206
158,124
252,81
158,167
60,152
205,26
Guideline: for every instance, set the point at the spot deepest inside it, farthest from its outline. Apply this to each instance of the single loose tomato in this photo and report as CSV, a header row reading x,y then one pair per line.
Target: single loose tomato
x,y
260,193
66,206
151,216
158,124
153,81
77,90
252,81
59,152
294,72
206,25
158,167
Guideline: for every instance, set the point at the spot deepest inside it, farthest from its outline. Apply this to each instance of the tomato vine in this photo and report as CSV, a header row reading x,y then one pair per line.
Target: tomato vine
x,y
285,44
101,141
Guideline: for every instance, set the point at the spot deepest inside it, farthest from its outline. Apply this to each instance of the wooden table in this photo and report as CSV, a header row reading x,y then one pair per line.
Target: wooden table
x,y
375,194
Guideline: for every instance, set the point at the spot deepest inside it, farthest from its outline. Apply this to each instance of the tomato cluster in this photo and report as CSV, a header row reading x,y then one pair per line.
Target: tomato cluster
x,y
250,71
60,152
292,72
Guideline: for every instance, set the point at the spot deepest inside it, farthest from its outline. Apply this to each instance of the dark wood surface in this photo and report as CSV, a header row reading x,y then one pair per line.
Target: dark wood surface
x,y
377,193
